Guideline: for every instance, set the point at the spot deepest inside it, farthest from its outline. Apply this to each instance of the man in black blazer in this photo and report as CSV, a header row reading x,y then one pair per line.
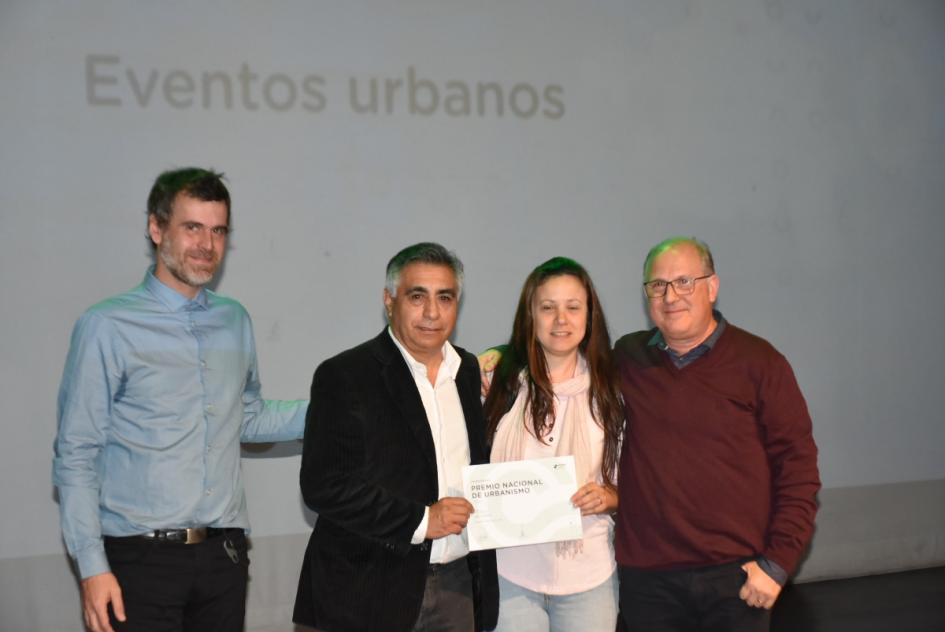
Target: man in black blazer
x,y
390,426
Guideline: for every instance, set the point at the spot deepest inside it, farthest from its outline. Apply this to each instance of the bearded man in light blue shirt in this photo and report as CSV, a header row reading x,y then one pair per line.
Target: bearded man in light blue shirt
x,y
160,387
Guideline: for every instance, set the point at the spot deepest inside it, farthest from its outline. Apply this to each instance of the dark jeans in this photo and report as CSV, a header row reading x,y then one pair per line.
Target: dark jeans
x,y
175,587
692,600
447,599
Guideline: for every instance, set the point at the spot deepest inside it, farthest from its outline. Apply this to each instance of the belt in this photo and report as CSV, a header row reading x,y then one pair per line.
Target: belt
x,y
194,535
435,568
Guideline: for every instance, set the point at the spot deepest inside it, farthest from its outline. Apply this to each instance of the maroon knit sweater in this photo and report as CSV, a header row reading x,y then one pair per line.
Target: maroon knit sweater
x,y
718,461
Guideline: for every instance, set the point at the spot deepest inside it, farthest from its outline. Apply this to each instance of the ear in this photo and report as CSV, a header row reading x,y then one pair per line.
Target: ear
x,y
154,230
713,287
388,303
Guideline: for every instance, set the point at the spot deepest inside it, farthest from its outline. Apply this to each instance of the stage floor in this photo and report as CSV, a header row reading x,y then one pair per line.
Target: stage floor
x,y
912,601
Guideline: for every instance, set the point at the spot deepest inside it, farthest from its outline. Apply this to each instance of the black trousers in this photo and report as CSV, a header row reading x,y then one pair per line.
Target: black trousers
x,y
447,599
175,587
692,600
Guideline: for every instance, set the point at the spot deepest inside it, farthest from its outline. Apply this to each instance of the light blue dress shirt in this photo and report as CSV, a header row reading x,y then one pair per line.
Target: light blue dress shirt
x,y
157,393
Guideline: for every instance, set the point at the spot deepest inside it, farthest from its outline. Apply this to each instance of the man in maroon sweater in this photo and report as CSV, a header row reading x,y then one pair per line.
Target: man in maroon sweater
x,y
718,476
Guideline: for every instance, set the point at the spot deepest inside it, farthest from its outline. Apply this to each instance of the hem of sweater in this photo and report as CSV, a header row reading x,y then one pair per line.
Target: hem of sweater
x,y
684,566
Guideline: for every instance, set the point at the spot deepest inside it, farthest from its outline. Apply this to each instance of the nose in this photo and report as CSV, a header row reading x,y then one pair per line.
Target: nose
x,y
431,310
671,296
205,239
560,316
213,241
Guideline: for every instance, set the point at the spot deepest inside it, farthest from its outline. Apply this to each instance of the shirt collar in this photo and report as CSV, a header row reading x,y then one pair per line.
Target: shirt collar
x,y
658,341
451,360
172,299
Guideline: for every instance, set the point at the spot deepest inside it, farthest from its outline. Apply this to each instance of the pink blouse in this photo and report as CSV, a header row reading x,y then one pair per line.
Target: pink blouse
x,y
536,566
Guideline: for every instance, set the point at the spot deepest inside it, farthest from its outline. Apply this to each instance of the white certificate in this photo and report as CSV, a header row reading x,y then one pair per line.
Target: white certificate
x,y
521,502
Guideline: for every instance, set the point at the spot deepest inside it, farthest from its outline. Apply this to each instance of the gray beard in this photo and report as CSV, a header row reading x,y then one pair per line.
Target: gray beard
x,y
180,273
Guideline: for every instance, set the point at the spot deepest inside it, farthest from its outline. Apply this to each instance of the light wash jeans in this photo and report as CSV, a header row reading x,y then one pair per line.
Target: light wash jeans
x,y
523,610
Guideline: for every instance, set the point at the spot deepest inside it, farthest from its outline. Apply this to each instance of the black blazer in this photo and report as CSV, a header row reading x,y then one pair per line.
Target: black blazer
x,y
369,469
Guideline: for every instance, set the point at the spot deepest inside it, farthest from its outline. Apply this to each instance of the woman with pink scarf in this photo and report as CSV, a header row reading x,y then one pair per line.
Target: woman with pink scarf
x,y
554,393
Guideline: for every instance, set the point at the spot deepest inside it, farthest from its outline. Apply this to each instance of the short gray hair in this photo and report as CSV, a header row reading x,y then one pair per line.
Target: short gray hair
x,y
424,252
708,263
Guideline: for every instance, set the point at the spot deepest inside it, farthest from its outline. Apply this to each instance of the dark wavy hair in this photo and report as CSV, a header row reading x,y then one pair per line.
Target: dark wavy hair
x,y
524,352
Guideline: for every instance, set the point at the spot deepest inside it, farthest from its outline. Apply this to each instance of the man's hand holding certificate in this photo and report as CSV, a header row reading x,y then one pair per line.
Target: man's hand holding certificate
x,y
521,502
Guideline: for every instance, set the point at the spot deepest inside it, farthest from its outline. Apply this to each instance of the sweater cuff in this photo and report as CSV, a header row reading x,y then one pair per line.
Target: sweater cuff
x,y
773,570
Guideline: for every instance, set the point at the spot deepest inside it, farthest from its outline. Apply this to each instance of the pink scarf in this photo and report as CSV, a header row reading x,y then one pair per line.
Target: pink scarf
x,y
509,441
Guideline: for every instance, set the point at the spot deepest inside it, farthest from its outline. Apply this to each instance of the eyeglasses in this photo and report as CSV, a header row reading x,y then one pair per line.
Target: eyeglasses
x,y
682,286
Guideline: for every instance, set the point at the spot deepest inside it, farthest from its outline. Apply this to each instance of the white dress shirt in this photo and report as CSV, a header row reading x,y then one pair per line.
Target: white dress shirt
x,y
448,427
